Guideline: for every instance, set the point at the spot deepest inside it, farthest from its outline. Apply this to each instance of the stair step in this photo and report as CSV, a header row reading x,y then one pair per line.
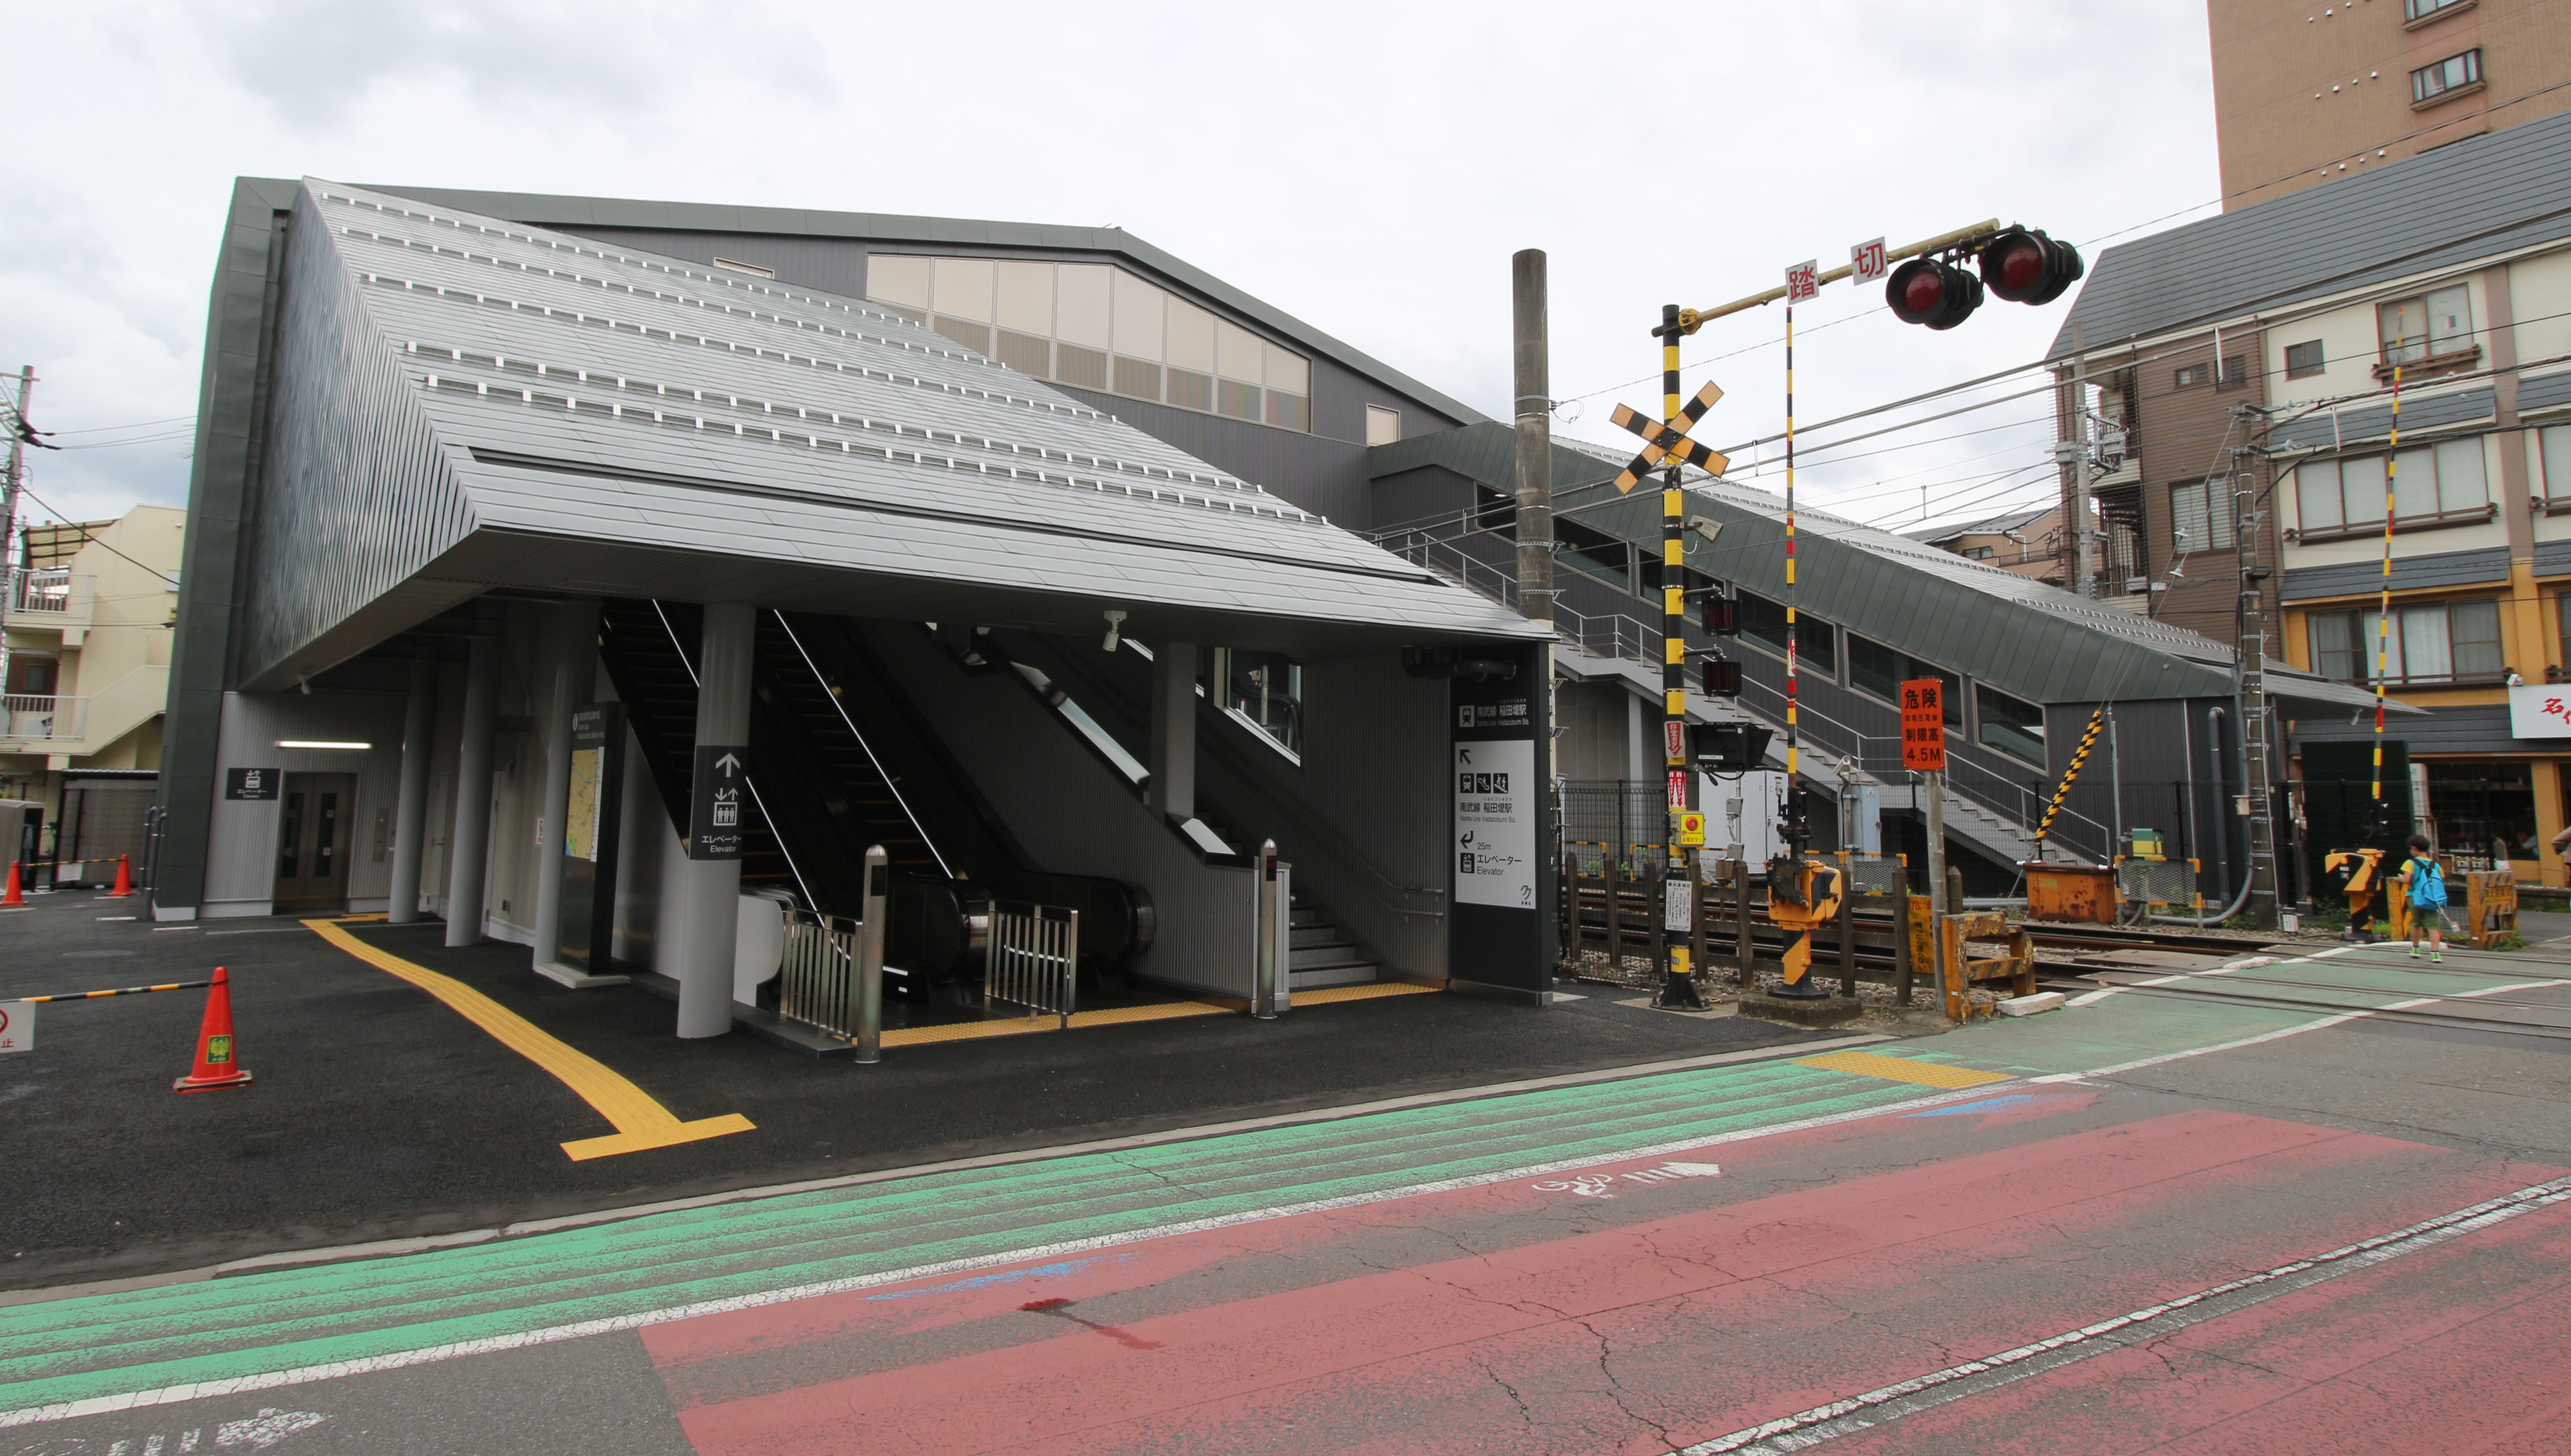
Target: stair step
x,y
1321,957
1312,980
1316,933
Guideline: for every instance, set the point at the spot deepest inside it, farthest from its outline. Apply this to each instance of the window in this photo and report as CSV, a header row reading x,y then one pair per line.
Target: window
x,y
1815,642
1606,557
1383,426
2200,517
1879,671
1978,553
2304,360
2557,463
1818,643
2433,642
2426,327
1092,327
2422,9
1263,689
2440,482
2191,375
2451,74
744,268
1762,622
2013,726
2235,371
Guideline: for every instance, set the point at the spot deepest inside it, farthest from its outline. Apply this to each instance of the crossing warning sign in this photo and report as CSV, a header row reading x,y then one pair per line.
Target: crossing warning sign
x,y
1923,725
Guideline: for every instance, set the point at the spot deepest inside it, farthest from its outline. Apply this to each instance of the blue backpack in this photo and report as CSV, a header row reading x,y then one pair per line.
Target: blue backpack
x,y
2428,883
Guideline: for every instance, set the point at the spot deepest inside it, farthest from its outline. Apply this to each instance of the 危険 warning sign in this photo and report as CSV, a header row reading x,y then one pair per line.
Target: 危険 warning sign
x,y
1923,725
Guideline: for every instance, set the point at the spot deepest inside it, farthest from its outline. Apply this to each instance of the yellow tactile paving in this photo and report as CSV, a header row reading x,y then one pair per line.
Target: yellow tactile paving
x,y
1118,1015
966,1031
1901,1069
641,1122
1328,994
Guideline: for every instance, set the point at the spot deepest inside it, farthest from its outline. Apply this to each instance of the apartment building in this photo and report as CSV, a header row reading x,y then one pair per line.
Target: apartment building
x,y
2028,540
2314,90
88,677
2282,345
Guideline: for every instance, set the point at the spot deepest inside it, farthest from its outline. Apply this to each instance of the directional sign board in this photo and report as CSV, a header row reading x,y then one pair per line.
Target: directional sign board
x,y
1923,725
1495,823
721,801
1803,281
1866,263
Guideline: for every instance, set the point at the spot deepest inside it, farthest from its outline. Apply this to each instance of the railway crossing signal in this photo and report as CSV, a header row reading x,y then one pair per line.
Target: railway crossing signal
x,y
1667,441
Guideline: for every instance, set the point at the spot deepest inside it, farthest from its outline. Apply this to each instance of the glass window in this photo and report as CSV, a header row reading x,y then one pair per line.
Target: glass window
x,y
1383,426
1026,297
1239,354
2200,518
1762,622
2418,9
1266,689
2451,319
902,280
1817,644
2418,328
1290,389
2362,486
2425,648
1237,399
2190,375
963,289
2429,642
2302,360
2405,327
2473,628
2336,650
1873,668
2557,463
2013,726
1138,320
2316,499
1191,344
1137,378
2461,486
1952,700
2450,74
1082,307
2414,484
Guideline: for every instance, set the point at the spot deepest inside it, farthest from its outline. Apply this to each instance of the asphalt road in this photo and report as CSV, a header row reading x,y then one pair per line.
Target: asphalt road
x,y
2154,1223
378,1114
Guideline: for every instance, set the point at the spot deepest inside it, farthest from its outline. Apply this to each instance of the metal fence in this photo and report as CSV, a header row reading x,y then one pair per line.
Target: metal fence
x,y
1623,821
817,979
2158,882
1034,960
1876,874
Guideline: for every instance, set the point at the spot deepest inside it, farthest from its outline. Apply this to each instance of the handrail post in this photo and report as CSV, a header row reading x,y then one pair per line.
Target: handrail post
x,y
870,955
1263,982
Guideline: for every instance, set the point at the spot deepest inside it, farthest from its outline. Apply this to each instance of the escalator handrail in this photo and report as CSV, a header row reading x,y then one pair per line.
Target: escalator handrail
x,y
849,723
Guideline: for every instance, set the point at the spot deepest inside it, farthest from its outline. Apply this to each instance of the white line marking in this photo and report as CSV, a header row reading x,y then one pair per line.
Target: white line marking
x,y
403,1359
1844,1417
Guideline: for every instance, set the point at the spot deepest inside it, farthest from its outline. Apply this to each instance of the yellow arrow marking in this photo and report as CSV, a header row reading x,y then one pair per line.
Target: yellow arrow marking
x,y
640,1122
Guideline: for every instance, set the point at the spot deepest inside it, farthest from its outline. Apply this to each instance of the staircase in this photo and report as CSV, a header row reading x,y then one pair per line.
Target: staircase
x,y
1322,954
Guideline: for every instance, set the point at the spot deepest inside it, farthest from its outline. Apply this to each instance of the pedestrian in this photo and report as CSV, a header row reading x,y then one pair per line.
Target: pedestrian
x,y
2423,885
2562,844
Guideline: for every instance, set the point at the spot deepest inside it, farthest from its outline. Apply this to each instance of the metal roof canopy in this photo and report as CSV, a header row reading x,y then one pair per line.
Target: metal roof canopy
x,y
2021,636
2464,200
551,413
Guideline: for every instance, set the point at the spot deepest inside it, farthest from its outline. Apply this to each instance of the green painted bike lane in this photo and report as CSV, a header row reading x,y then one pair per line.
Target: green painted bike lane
x,y
264,1328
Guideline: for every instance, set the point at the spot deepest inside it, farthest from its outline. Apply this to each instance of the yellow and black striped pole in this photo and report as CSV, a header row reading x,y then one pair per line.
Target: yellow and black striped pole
x,y
2079,755
118,991
1797,827
1678,985
2380,828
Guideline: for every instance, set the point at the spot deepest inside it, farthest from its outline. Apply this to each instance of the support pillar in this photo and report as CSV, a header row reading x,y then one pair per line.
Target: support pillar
x,y
469,859
410,804
571,658
1173,789
708,891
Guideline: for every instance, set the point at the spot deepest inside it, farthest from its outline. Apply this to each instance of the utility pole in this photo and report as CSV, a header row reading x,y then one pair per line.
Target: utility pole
x,y
1678,884
2084,582
1531,337
2252,658
18,428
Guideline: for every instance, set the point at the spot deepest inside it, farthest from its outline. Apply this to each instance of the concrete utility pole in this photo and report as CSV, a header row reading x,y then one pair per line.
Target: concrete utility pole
x,y
2076,529
2252,658
18,428
1531,336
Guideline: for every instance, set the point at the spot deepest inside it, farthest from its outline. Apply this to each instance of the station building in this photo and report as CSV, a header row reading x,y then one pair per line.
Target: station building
x,y
1058,568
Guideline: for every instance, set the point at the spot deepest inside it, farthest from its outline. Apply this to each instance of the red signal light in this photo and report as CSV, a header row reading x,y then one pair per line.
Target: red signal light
x,y
1721,679
1938,294
2023,266
1721,616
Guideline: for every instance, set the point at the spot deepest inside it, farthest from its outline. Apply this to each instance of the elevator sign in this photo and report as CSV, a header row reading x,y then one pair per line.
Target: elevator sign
x,y
1495,812
720,803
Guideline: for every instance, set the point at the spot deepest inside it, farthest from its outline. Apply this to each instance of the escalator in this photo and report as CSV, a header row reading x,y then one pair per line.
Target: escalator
x,y
840,762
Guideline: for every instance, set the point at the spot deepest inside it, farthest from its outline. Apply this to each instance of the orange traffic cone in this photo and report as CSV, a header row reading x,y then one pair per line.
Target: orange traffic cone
x,y
215,1064
13,898
124,878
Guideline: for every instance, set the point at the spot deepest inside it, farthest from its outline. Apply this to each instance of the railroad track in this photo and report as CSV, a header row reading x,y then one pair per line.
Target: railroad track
x,y
2428,1010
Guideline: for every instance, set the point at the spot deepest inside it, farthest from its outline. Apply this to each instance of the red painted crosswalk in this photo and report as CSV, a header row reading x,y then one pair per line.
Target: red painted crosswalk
x,y
1604,1312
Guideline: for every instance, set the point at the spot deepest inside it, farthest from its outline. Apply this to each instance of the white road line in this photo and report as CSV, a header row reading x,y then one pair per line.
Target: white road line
x,y
1806,1428
403,1359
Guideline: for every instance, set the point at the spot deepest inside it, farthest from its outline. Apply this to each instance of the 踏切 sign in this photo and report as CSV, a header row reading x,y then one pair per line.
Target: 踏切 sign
x,y
1865,262
1923,725
2539,710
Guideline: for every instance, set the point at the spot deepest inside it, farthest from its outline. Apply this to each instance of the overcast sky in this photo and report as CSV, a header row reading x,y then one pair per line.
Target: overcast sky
x,y
1368,167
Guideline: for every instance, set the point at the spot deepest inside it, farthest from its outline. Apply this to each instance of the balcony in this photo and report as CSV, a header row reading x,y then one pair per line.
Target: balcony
x,y
57,598
33,724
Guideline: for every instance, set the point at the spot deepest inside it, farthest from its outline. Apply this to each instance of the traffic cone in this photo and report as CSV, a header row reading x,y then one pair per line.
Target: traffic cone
x,y
12,899
215,1066
124,878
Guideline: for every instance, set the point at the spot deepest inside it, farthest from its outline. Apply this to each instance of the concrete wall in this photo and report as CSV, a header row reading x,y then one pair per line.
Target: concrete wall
x,y
241,859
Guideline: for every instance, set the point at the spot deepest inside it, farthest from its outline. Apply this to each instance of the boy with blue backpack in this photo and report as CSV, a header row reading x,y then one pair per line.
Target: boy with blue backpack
x,y
2424,886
